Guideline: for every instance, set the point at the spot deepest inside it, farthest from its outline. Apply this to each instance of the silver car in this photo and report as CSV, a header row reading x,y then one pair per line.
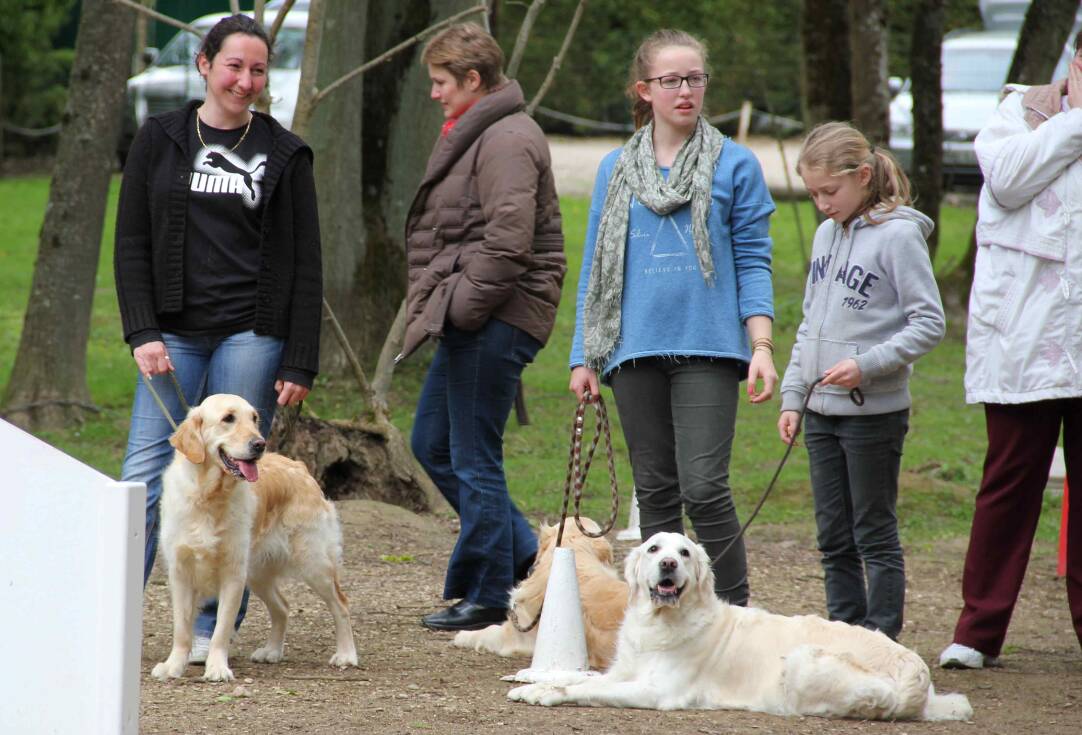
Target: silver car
x,y
975,65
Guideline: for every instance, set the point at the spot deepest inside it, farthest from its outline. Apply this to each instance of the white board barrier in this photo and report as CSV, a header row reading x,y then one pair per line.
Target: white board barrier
x,y
71,571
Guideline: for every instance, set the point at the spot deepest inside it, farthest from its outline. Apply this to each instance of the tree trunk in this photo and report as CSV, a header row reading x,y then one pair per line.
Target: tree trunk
x,y
868,64
336,140
1041,40
48,385
826,90
401,124
1040,44
926,72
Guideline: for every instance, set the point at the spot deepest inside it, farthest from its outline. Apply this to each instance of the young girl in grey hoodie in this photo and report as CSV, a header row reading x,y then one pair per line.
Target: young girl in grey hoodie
x,y
871,308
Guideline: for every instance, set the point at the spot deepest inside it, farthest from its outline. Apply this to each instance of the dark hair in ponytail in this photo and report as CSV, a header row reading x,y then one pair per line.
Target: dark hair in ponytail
x,y
226,27
641,111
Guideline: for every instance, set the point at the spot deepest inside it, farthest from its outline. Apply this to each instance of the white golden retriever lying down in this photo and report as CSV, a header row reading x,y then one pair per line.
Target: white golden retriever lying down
x,y
603,593
226,521
681,648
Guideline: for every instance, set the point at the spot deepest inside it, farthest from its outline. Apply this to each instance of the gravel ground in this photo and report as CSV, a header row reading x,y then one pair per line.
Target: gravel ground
x,y
412,681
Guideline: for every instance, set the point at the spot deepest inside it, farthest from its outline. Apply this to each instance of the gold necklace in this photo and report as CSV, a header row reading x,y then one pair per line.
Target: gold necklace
x,y
235,145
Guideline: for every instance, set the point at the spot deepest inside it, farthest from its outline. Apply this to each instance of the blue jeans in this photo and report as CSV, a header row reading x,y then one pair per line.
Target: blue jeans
x,y
244,364
854,462
458,439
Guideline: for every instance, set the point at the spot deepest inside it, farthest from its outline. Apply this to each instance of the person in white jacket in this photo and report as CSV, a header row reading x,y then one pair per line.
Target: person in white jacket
x,y
1024,351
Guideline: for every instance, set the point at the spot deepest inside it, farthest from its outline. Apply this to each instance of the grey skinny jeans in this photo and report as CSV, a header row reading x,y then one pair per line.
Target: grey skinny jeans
x,y
854,463
678,416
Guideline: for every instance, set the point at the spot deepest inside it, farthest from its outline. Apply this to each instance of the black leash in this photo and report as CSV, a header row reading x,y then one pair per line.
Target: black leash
x,y
855,395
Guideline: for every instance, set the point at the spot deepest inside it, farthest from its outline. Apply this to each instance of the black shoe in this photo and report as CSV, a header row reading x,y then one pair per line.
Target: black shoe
x,y
465,615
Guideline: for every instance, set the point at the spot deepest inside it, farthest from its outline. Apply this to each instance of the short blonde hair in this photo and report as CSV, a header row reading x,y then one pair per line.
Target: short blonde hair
x,y
463,47
837,148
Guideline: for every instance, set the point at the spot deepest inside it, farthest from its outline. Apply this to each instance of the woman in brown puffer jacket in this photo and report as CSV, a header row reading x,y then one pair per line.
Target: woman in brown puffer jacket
x,y
486,264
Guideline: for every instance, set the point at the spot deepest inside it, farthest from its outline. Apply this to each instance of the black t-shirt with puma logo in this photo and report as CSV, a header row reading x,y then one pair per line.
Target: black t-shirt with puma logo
x,y
221,246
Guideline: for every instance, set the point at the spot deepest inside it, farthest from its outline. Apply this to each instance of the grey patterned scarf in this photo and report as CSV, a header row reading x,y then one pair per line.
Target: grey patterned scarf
x,y
636,175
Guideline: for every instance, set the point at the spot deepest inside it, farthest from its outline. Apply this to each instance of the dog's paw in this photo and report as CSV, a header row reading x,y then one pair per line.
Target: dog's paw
x,y
344,659
466,638
218,672
268,655
546,695
168,669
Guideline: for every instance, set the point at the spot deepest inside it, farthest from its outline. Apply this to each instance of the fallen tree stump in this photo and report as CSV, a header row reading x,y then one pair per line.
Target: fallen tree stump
x,y
358,459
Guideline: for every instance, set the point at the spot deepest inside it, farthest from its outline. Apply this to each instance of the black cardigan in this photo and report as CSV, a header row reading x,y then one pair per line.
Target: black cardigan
x,y
151,222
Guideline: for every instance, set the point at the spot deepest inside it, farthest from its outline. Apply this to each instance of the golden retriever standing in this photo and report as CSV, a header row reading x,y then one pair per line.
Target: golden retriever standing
x,y
603,593
682,648
227,521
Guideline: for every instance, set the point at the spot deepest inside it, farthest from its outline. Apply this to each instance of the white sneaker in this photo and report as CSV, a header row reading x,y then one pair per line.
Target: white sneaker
x,y
200,649
957,656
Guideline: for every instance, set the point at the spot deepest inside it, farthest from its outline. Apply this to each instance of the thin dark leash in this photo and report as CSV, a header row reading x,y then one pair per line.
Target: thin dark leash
x,y
855,395
148,382
577,470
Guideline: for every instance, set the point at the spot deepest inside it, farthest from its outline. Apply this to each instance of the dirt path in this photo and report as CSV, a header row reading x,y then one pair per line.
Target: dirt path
x,y
412,681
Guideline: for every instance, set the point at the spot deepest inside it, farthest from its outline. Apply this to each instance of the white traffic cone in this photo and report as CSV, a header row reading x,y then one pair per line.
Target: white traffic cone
x,y
559,655
632,532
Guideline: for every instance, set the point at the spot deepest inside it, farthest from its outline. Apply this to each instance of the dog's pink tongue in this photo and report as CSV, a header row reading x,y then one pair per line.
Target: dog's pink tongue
x,y
248,469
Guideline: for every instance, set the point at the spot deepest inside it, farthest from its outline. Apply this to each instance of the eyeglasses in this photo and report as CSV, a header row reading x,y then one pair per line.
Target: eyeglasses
x,y
673,81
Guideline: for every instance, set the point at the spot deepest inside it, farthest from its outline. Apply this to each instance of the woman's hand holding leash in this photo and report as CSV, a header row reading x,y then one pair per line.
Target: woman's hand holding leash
x,y
584,380
289,394
152,359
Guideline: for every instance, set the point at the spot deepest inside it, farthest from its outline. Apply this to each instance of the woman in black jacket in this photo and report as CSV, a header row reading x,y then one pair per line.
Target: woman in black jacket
x,y
217,262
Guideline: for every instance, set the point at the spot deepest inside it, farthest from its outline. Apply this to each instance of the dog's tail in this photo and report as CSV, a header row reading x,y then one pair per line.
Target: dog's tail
x,y
946,706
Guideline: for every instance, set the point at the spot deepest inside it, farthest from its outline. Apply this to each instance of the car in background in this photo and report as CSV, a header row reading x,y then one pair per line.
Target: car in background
x,y
171,79
975,65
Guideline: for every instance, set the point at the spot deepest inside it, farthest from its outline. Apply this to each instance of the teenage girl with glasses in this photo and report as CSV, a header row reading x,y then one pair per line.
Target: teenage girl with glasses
x,y
675,303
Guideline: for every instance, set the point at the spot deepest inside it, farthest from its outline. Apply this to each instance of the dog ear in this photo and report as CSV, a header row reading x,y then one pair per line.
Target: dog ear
x,y
631,573
704,572
188,440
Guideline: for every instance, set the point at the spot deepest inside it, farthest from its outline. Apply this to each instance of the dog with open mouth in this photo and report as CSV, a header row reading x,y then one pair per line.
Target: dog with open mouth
x,y
234,514
681,648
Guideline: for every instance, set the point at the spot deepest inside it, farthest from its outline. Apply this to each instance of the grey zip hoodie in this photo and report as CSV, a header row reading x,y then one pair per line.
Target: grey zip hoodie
x,y
871,295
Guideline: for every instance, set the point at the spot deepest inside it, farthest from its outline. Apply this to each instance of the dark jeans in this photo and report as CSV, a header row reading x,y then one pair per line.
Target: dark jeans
x,y
458,439
1021,440
854,462
679,416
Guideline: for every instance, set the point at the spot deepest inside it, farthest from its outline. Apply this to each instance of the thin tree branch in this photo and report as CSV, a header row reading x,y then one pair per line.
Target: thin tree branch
x,y
523,36
392,345
257,12
159,16
279,19
354,363
557,60
234,6
318,96
306,88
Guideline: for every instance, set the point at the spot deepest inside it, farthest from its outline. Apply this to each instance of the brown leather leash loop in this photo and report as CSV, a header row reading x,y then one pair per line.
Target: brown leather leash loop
x,y
577,470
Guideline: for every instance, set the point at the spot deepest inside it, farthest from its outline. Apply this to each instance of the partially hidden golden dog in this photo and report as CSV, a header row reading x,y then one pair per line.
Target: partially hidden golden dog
x,y
603,593
682,648
234,514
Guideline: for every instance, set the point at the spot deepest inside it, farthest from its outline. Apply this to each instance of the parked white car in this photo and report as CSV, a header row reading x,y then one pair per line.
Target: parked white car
x,y
975,65
172,80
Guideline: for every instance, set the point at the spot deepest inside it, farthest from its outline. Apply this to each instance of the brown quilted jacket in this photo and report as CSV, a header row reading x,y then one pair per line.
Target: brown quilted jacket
x,y
483,235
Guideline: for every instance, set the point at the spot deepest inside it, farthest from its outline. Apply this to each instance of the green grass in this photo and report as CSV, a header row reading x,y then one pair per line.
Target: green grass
x,y
943,454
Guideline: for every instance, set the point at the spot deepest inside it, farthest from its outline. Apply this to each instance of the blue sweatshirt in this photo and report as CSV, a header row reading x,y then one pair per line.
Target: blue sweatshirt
x,y
667,307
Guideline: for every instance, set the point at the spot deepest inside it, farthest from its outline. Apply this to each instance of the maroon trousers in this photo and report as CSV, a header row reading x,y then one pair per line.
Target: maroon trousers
x,y
1021,441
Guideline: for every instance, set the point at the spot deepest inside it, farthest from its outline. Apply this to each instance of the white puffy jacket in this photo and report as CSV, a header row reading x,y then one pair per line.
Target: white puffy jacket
x,y
1024,340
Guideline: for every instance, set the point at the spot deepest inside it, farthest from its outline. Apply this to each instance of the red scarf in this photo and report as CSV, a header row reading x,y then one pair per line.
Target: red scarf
x,y
449,123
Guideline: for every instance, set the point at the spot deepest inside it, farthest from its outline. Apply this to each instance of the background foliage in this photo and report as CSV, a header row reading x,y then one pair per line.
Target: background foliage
x,y
33,74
